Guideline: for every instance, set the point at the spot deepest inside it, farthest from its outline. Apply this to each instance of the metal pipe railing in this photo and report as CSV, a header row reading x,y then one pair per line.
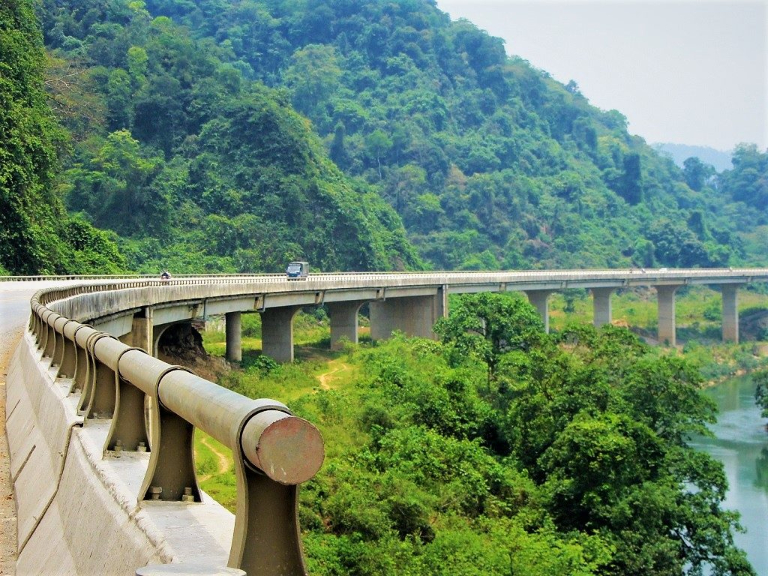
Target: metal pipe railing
x,y
274,450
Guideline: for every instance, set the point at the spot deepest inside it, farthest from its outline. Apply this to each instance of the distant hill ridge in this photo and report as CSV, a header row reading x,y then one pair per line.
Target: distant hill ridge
x,y
720,159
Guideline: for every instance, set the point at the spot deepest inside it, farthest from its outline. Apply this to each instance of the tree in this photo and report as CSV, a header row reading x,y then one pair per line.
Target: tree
x,y
338,151
28,148
36,234
696,173
313,76
378,144
487,326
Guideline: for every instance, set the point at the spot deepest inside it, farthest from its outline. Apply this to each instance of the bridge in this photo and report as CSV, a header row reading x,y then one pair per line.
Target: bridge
x,y
100,430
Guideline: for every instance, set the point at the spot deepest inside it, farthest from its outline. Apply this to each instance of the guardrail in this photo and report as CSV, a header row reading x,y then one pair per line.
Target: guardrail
x,y
273,450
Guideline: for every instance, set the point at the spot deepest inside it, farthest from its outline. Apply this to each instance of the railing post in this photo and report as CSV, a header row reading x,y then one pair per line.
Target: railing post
x,y
267,537
49,346
68,362
58,351
128,429
171,467
81,361
95,374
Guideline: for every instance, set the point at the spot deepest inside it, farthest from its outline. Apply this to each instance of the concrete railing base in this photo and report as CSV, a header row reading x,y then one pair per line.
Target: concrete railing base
x,y
77,510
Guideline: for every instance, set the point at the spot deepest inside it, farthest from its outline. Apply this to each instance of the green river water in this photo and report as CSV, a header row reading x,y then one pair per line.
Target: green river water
x,y
741,444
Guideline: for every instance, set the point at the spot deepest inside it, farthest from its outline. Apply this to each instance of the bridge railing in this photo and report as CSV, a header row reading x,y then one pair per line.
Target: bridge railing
x,y
274,451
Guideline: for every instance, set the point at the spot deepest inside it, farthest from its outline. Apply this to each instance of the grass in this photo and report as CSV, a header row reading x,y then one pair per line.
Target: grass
x,y
215,470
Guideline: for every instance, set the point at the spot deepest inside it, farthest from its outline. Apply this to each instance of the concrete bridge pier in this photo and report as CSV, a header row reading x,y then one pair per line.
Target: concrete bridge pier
x,y
234,336
730,295
540,299
277,332
666,311
412,315
142,330
343,322
601,302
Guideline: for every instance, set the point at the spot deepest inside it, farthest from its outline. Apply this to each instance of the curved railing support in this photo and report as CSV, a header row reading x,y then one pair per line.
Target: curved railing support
x,y
279,451
171,471
98,401
60,346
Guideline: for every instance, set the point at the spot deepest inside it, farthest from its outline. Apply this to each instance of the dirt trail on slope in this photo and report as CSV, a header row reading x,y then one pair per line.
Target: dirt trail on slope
x,y
326,377
224,460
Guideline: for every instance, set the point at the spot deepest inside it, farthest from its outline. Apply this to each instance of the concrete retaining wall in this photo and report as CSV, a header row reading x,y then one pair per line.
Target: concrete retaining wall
x,y
77,508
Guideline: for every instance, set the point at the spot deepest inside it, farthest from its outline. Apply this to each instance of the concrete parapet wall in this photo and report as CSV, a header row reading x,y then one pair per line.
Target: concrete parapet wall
x,y
77,508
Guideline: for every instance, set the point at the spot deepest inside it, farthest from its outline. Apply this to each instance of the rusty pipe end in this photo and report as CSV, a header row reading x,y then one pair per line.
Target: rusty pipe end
x,y
288,449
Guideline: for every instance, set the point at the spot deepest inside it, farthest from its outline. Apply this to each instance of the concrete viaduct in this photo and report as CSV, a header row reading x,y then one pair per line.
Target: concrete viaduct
x,y
100,430
411,303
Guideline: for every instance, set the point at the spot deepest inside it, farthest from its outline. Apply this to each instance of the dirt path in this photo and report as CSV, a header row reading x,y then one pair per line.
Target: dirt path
x,y
223,459
328,376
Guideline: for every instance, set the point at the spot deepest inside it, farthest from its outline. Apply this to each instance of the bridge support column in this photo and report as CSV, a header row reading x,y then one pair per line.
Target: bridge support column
x,y
730,294
666,311
540,299
601,302
412,315
234,336
142,331
343,322
277,332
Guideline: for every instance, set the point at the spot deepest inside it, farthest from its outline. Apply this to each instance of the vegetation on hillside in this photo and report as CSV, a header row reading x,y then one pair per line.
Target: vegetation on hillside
x,y
196,167
501,449
36,235
487,161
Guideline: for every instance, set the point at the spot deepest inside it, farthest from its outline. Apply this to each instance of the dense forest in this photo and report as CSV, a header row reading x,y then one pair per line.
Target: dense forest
x,y
500,449
185,127
36,235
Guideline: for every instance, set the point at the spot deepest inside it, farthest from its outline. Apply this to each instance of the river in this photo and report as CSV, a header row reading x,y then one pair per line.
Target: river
x,y
741,444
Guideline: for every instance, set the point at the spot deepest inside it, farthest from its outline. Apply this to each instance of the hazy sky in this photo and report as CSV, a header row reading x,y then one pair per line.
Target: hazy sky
x,y
687,71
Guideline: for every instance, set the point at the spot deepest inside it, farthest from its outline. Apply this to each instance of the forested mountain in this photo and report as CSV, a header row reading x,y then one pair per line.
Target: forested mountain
x,y
488,162
196,167
36,235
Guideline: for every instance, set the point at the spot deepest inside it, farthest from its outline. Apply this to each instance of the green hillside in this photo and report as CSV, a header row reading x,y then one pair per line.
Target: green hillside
x,y
488,161
36,235
180,134
196,167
